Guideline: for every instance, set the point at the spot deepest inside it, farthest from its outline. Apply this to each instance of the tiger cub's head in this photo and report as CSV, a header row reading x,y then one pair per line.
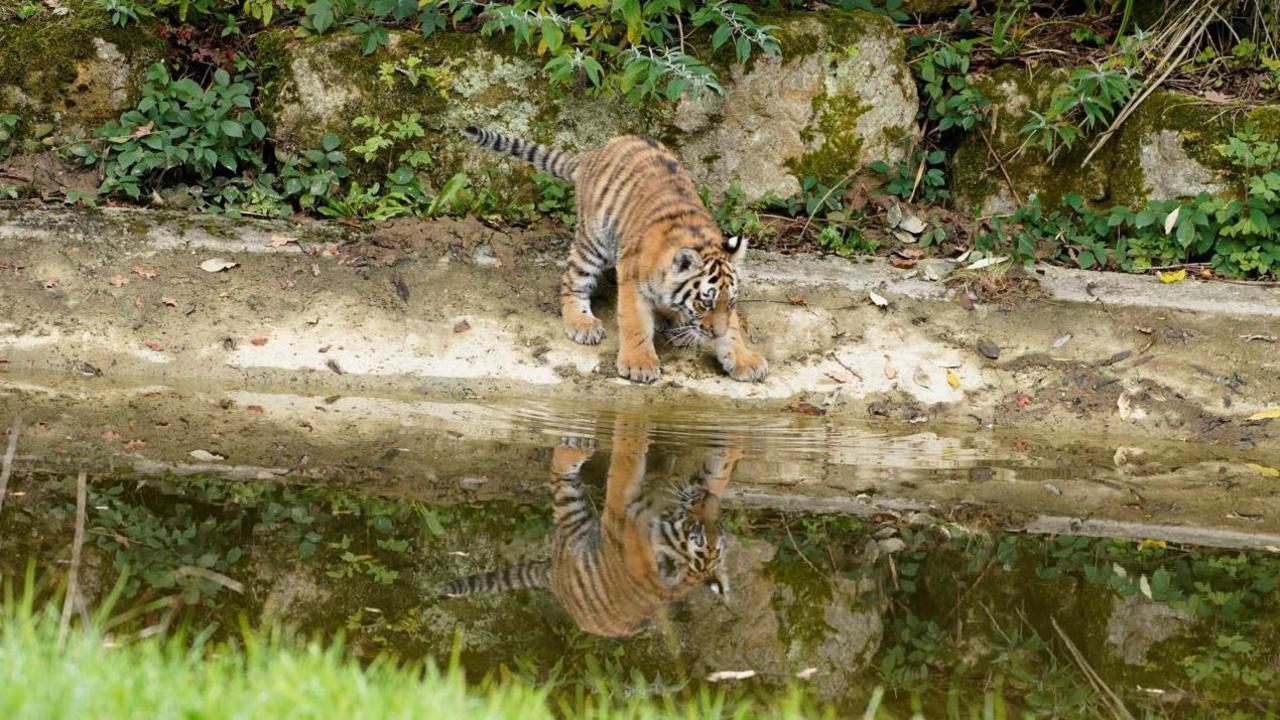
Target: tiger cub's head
x,y
693,547
701,287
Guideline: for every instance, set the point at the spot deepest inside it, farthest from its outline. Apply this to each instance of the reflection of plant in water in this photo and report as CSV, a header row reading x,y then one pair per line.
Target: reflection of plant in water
x,y
159,545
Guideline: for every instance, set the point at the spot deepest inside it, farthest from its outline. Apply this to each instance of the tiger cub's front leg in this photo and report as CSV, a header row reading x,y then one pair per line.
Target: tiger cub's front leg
x,y
637,358
579,282
741,362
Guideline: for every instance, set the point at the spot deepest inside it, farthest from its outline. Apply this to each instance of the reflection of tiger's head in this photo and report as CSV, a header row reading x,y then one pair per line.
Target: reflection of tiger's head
x,y
692,546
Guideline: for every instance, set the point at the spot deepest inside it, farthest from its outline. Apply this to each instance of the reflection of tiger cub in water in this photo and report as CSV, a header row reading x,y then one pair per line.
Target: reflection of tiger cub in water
x,y
613,575
639,212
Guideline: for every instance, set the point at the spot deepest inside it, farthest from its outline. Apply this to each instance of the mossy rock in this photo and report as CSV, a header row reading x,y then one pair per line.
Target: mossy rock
x,y
1164,150
318,85
841,96
71,73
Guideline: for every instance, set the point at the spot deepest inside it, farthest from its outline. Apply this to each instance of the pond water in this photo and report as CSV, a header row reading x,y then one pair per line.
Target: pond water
x,y
667,552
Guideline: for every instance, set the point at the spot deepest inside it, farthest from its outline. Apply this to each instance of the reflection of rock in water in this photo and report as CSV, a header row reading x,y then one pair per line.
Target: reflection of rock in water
x,y
653,544
1137,623
750,636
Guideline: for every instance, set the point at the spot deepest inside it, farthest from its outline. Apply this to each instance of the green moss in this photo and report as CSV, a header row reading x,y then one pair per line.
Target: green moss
x,y
42,60
796,31
841,149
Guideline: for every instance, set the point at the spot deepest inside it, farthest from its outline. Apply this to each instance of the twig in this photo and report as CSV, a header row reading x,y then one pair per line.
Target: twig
x,y
7,466
73,576
823,201
1117,705
1000,163
1180,47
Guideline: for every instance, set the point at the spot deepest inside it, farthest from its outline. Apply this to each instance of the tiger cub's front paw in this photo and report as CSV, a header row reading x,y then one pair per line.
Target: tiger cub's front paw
x,y
639,366
584,329
570,454
746,366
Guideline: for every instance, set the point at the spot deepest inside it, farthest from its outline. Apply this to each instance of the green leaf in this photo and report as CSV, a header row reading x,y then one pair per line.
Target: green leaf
x,y
231,128
221,78
321,15
330,142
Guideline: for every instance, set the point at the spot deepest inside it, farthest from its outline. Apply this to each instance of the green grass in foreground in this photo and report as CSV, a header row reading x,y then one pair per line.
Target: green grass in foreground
x,y
267,675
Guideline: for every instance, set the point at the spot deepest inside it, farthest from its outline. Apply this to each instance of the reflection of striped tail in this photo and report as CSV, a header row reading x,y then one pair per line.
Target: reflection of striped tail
x,y
536,574
548,160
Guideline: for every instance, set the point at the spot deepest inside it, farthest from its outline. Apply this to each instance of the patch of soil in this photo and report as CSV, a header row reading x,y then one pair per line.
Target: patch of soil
x,y
45,174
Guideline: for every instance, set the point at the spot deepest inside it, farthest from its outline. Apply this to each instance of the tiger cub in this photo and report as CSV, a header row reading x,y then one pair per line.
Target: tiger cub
x,y
639,212
615,574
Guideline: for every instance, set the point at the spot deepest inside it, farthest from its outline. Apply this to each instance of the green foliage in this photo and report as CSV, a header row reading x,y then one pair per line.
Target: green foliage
x,y
554,198
8,134
890,8
734,214
1086,102
1237,236
942,67
901,177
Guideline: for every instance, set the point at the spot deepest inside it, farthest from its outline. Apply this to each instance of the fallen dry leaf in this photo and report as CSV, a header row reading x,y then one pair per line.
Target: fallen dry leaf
x,y
953,380
730,675
255,409
49,283
1172,276
259,341
1171,219
1263,470
1024,400
315,269
877,299
1061,341
119,281
461,326
135,445
214,265
836,378
155,346
797,300
276,241
171,302
110,435
205,456
890,371
902,263
146,271
1268,414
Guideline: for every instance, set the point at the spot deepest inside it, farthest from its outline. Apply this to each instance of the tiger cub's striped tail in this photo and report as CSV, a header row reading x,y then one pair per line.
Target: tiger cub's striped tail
x,y
536,574
545,159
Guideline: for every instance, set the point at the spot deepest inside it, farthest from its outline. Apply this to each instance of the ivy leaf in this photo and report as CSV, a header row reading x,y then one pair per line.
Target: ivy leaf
x,y
320,13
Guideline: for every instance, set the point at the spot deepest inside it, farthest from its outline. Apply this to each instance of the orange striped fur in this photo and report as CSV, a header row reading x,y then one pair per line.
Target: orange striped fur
x,y
652,546
639,213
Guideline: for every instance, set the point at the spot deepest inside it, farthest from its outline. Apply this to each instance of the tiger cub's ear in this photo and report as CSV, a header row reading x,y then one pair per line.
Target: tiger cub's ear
x,y
685,262
736,246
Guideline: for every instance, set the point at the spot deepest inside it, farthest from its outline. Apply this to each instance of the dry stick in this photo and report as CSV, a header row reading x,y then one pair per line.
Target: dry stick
x,y
1117,705
73,576
7,466
1000,163
1181,42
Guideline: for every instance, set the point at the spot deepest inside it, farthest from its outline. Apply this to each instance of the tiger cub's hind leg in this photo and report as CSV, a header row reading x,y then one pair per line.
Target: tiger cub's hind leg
x,y
586,265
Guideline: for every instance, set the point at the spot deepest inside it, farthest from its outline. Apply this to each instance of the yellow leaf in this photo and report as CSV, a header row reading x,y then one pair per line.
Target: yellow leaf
x,y
953,380
1150,543
1172,276
1263,470
1268,414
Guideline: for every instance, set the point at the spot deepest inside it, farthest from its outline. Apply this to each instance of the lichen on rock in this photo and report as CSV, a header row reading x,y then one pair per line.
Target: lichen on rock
x,y
840,97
